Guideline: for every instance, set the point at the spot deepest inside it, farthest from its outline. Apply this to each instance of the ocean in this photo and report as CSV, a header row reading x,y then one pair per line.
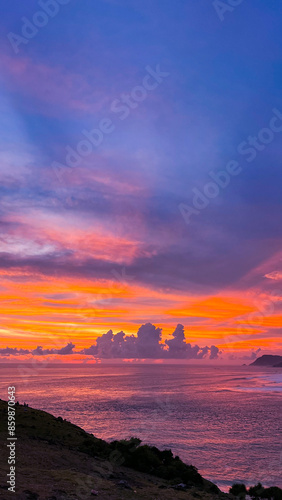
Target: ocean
x,y
224,420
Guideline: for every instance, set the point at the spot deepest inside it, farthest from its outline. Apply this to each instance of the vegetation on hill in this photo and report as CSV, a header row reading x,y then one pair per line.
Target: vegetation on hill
x,y
57,460
256,492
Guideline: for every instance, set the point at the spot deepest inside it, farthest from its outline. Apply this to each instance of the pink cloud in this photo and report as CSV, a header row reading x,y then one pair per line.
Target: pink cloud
x,y
274,275
52,88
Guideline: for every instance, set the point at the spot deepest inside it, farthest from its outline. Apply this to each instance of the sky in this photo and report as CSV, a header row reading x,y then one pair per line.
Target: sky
x,y
141,179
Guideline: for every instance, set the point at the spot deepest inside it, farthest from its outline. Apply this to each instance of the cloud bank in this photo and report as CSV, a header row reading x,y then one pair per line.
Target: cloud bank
x,y
68,349
146,344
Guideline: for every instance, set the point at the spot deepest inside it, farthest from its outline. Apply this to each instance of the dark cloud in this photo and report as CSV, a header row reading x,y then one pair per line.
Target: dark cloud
x,y
68,349
148,341
91,351
162,157
214,352
146,344
252,356
39,351
12,351
203,264
178,348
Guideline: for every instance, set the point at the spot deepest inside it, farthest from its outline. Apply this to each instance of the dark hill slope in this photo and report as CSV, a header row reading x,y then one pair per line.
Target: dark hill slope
x,y
57,460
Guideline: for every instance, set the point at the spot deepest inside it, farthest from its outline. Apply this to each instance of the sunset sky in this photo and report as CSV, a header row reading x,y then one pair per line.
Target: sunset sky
x,y
127,229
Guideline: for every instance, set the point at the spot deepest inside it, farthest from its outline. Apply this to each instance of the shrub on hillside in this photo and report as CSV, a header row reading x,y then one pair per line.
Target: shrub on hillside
x,y
151,460
238,490
258,491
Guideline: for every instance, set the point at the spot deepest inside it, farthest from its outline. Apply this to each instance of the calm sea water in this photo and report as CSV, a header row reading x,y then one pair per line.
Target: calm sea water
x,y
225,421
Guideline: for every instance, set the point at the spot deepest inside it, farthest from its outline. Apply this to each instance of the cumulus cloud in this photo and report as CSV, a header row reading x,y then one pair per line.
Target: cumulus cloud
x,y
179,348
177,345
14,351
39,351
148,341
104,345
214,352
91,351
68,349
253,355
146,344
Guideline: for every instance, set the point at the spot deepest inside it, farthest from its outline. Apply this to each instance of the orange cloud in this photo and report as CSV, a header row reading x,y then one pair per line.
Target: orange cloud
x,y
216,308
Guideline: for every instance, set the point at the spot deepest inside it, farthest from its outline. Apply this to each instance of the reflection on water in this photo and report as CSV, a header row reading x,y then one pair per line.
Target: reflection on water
x,y
226,421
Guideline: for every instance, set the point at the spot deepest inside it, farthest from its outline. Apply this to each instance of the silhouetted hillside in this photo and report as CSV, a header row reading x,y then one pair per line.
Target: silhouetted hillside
x,y
56,460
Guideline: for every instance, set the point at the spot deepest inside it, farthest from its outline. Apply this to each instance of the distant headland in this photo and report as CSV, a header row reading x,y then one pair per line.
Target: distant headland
x,y
268,360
